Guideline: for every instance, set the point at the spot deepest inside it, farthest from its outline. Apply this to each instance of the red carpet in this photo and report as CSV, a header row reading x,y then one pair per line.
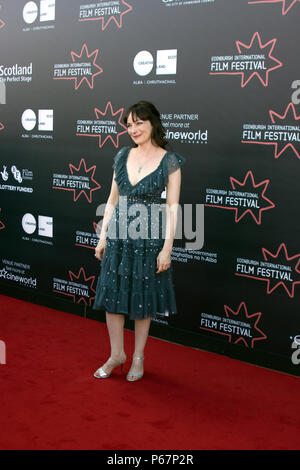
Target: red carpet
x,y
188,399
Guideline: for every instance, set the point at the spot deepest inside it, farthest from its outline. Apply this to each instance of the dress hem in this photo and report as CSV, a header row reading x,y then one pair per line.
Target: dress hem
x,y
137,317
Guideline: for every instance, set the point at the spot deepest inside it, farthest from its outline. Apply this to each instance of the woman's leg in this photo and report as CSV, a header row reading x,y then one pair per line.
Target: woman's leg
x,y
115,327
141,331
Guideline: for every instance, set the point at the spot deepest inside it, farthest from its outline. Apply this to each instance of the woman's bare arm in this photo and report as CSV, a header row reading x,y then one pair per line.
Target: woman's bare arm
x,y
111,203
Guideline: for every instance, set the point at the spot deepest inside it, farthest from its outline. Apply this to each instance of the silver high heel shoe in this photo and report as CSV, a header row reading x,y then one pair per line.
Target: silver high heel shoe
x,y
133,376
100,374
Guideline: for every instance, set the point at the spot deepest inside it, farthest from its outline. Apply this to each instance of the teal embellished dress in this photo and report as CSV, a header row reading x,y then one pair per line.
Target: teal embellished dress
x,y
128,282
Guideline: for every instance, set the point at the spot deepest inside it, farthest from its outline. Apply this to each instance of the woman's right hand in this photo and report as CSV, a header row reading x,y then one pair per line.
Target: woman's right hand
x,y
100,249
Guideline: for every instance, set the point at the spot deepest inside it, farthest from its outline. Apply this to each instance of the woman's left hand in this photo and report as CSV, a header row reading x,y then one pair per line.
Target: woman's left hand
x,y
163,261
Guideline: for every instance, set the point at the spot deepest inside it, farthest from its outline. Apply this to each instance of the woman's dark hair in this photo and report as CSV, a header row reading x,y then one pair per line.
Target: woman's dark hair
x,y
146,111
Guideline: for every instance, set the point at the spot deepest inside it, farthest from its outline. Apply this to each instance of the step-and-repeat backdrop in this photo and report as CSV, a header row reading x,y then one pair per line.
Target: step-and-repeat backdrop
x,y
225,77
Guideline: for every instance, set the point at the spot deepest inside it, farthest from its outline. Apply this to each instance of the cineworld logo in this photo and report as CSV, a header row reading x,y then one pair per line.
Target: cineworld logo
x,y
238,325
44,225
166,62
276,269
24,281
107,12
286,4
254,59
44,120
79,287
45,11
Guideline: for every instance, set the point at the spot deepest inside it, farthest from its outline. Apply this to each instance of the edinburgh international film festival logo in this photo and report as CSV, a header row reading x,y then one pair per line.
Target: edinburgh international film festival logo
x,y
80,181
282,132
244,197
238,325
106,126
286,5
82,70
277,268
79,287
107,12
255,59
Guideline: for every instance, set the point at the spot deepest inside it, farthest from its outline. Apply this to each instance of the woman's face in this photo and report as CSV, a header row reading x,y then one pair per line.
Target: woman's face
x,y
140,131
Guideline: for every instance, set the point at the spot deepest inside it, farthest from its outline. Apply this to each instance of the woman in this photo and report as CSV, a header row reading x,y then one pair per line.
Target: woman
x,y
136,271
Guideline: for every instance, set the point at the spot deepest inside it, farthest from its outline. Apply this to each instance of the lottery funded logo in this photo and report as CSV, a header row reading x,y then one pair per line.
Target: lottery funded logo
x,y
244,197
105,11
80,181
277,269
286,4
238,325
1,126
83,68
18,272
106,127
79,287
184,128
255,59
282,133
15,179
